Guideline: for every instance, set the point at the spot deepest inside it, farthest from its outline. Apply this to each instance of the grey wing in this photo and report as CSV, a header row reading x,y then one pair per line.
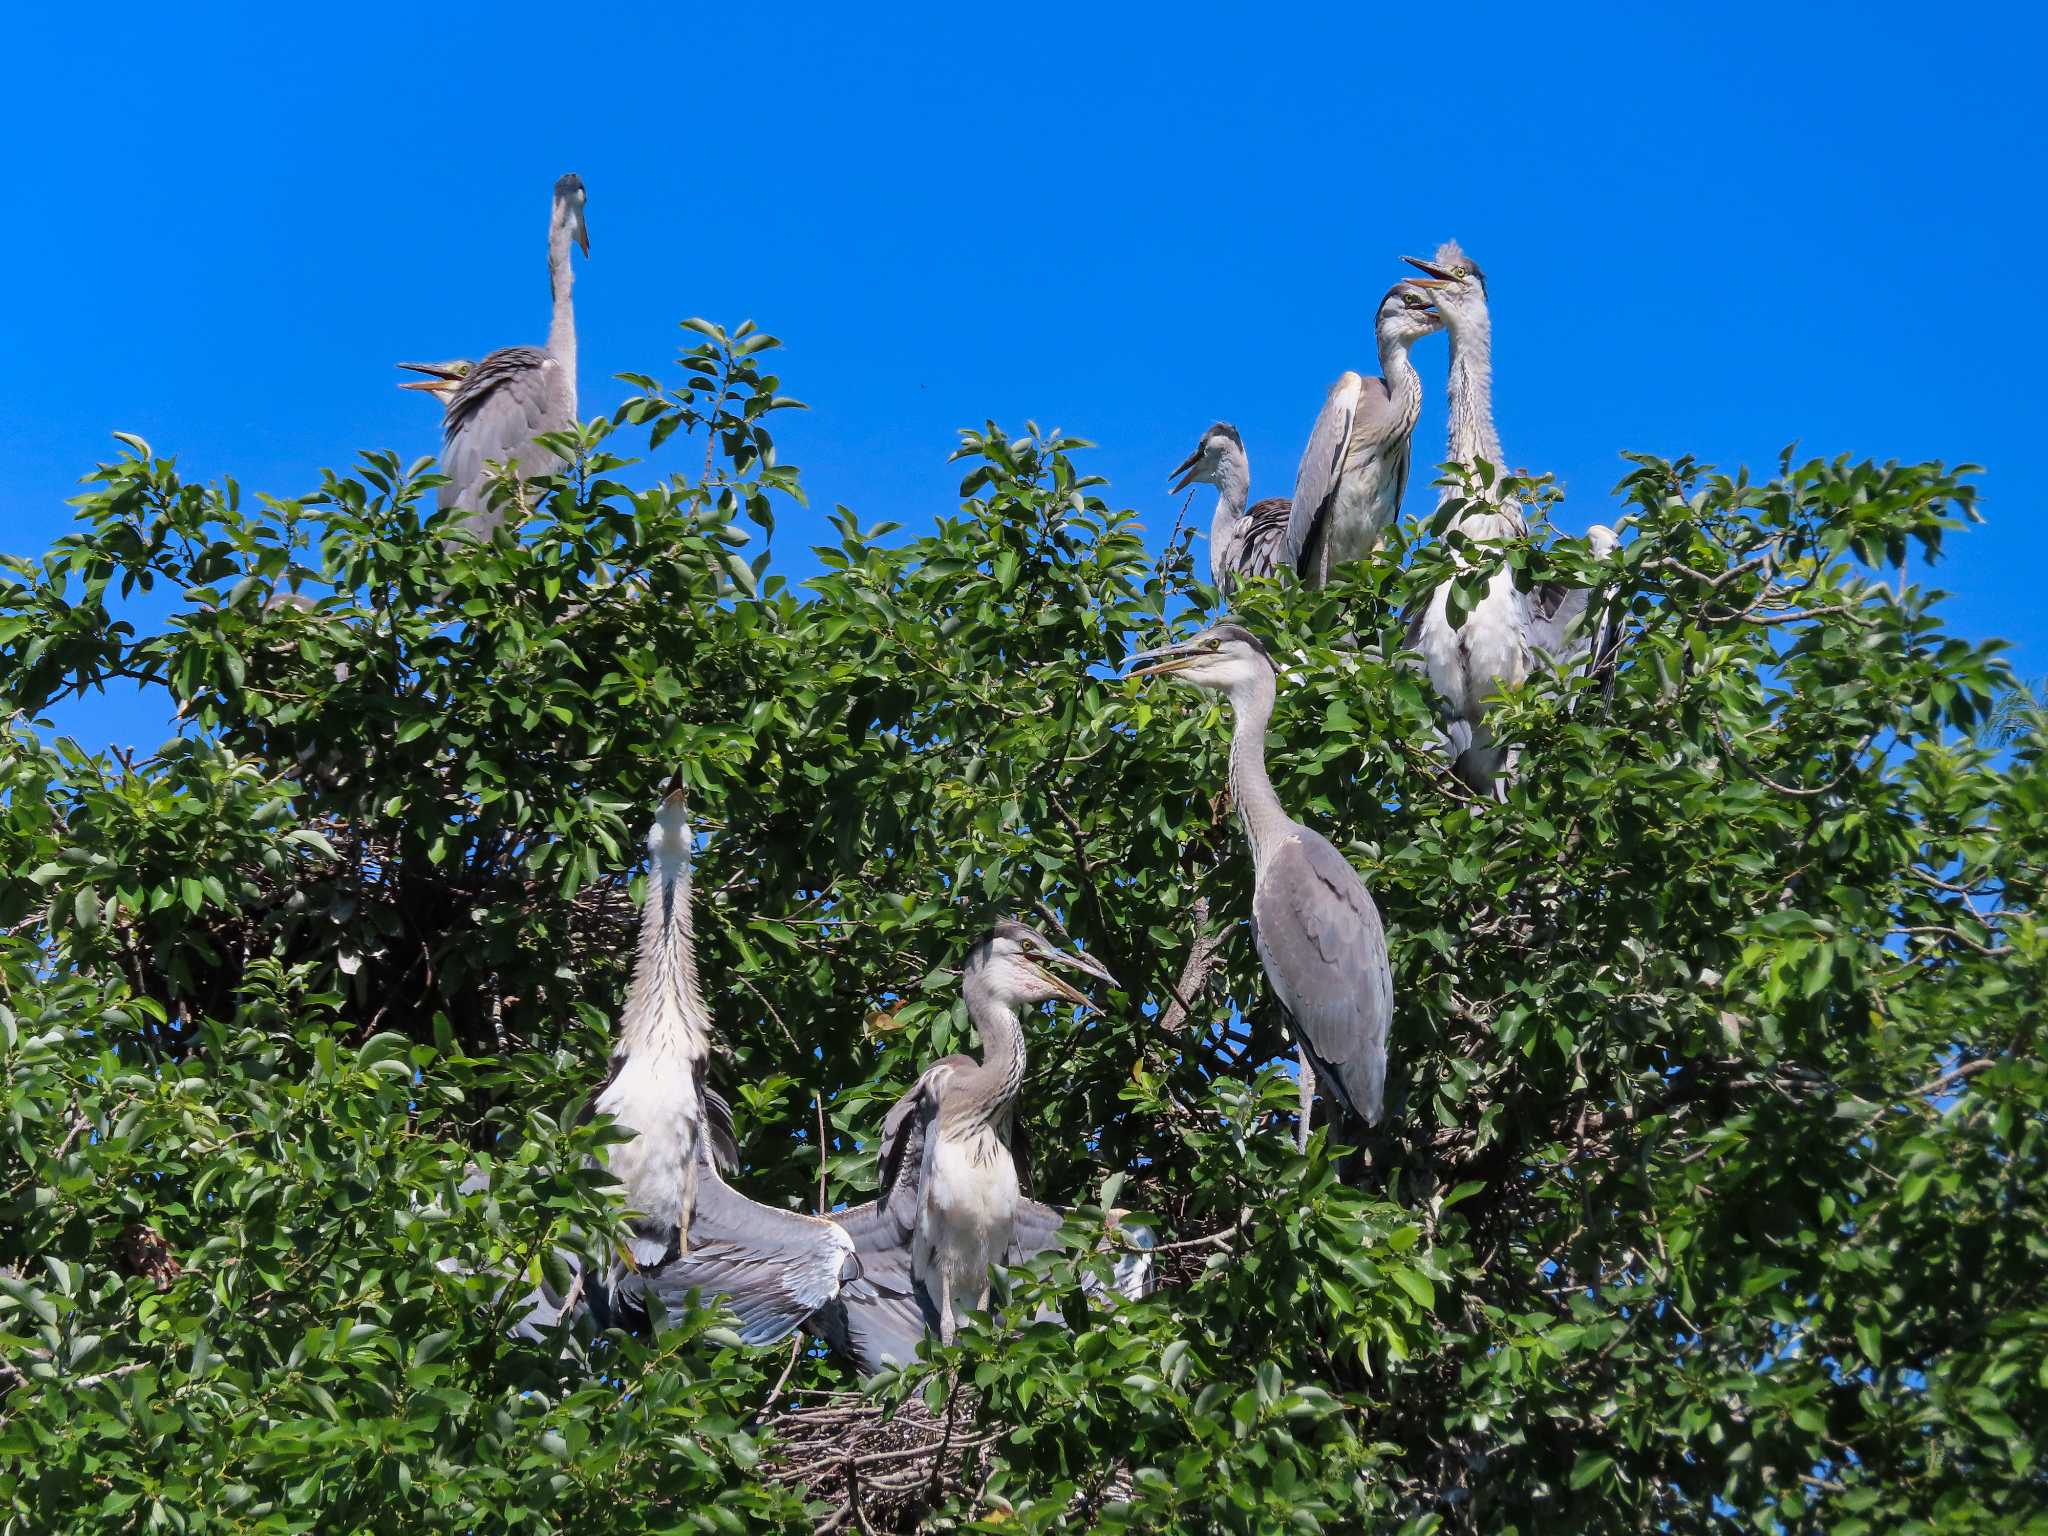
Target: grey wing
x,y
1263,542
1036,1231
1320,940
773,1267
905,1130
503,402
881,1318
719,1137
1315,481
1555,608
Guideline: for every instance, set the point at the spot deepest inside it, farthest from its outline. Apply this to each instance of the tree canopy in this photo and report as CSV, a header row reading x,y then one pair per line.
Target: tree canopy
x,y
1711,1191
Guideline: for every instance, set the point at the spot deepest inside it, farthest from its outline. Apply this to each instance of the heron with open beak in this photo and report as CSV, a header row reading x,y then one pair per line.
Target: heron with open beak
x,y
1243,541
952,1204
442,379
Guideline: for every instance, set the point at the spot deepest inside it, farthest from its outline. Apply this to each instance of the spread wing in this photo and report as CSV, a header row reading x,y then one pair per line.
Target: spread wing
x,y
1315,481
503,402
718,1132
773,1267
1320,940
880,1320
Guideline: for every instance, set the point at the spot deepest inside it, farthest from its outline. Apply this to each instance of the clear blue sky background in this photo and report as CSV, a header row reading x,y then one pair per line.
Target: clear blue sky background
x,y
1712,233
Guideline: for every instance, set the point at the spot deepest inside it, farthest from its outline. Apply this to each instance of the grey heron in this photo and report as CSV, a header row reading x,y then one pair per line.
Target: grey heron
x,y
516,393
1355,468
1243,541
951,1203
688,1229
1467,663
1314,924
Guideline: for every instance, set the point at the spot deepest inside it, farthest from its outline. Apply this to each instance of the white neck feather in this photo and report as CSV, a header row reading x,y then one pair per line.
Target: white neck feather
x,y
562,326
665,1009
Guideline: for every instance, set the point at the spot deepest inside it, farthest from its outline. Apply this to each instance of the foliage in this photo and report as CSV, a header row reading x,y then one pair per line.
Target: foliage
x,y
1711,1193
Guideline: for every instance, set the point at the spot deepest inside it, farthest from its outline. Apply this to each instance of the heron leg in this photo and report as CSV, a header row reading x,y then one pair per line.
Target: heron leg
x,y
945,1305
1306,1083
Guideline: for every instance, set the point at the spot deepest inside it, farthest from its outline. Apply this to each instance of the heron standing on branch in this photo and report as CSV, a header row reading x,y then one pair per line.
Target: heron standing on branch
x,y
1317,931
1242,541
516,393
1348,488
951,1203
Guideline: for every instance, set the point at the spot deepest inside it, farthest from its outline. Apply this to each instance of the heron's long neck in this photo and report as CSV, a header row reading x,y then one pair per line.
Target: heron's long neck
x,y
1471,392
1473,434
1233,489
1001,1076
1258,807
562,327
665,1009
1404,384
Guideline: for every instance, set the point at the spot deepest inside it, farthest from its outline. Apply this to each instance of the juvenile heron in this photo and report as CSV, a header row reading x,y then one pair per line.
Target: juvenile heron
x,y
516,393
688,1229
1242,541
1468,663
951,1203
1317,931
1348,488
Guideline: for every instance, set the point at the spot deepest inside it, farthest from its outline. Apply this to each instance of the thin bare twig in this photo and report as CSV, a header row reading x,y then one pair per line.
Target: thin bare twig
x,y
796,1349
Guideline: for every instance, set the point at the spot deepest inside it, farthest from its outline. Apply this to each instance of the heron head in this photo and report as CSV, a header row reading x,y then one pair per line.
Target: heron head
x,y
1205,466
1222,658
442,379
569,210
1407,313
1016,962
1455,282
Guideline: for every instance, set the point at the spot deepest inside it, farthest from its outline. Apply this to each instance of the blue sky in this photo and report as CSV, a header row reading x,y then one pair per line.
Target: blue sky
x,y
1708,233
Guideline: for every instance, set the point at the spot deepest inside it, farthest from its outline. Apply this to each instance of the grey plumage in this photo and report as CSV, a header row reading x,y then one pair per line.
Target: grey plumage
x,y
1243,541
1503,634
1355,468
772,1267
690,1231
1469,662
1557,630
951,1203
1317,931
516,393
